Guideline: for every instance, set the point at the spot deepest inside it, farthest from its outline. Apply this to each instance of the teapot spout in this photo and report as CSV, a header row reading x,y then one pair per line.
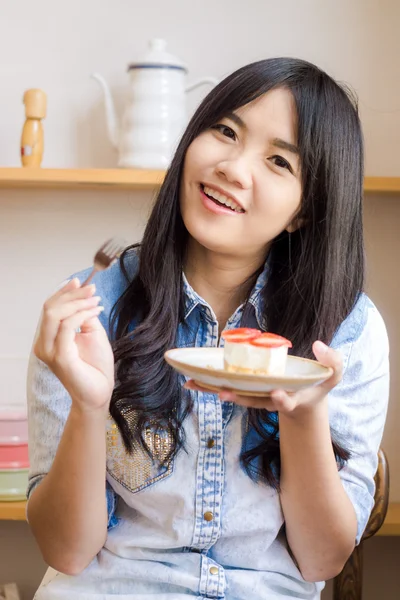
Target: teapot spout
x,y
111,115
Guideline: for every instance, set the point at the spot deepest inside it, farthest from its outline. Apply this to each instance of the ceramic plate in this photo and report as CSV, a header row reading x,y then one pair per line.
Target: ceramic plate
x,y
206,367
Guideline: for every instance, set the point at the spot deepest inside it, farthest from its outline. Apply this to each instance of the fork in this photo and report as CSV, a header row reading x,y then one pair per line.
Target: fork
x,y
105,256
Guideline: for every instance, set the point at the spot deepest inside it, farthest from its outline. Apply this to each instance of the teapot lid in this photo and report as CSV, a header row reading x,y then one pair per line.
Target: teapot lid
x,y
158,58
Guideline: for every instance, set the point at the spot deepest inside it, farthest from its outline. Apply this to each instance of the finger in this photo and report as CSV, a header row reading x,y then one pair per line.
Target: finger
x,y
72,284
229,396
70,292
192,385
257,403
65,310
283,402
67,329
263,402
329,358
91,324
52,317
67,294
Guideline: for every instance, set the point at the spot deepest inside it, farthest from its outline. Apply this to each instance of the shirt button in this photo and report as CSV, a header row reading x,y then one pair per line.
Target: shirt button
x,y
214,570
210,444
208,516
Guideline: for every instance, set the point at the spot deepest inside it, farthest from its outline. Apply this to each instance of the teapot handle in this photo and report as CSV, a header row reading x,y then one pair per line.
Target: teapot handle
x,y
210,80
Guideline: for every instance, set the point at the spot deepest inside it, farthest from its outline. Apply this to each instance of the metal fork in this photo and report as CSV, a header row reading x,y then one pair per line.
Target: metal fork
x,y
105,256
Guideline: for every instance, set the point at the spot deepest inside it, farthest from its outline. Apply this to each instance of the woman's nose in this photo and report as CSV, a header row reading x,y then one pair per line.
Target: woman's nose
x,y
237,171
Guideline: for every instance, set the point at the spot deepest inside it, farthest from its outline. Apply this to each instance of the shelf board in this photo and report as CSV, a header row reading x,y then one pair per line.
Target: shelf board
x,y
388,185
120,179
391,526
15,511
12,511
125,179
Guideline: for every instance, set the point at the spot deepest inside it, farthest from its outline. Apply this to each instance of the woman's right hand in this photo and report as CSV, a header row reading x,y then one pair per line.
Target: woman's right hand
x,y
84,361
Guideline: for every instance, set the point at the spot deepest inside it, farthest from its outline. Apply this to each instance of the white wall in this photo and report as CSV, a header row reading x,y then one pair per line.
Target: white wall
x,y
56,45
46,235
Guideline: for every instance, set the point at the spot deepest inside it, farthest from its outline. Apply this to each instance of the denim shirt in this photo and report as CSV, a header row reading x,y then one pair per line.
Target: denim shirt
x,y
200,527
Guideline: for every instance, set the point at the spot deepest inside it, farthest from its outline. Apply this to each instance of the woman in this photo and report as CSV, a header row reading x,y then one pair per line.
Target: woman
x,y
258,223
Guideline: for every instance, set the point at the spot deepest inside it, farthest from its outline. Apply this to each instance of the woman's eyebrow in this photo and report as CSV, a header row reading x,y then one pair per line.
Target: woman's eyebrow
x,y
236,119
283,145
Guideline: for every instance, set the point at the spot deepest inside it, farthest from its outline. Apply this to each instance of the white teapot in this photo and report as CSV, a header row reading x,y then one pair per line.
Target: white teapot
x,y
155,114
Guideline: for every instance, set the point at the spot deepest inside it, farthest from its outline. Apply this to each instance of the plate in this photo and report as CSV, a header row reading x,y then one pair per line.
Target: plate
x,y
206,367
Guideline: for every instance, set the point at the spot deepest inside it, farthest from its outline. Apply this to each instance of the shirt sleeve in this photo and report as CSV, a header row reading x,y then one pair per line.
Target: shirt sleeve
x,y
358,405
49,405
48,408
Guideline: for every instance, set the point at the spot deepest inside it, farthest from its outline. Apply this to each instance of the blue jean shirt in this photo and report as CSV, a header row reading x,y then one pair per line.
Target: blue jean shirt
x,y
199,527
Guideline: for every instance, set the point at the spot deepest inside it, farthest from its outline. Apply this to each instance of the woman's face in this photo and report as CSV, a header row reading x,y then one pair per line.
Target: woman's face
x,y
241,182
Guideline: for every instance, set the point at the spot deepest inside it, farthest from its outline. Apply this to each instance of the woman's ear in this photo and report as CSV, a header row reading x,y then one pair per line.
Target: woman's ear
x,y
295,224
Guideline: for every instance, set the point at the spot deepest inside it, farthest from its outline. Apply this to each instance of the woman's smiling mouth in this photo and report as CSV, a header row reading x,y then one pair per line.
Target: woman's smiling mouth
x,y
220,199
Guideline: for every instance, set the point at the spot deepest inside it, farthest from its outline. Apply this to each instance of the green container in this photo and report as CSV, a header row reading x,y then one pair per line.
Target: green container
x,y
13,484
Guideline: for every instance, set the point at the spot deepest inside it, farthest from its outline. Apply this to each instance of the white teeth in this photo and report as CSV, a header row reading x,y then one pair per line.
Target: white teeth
x,y
223,199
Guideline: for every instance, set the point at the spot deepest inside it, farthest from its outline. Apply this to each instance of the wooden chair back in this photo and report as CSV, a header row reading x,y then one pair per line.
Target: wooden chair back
x,y
348,584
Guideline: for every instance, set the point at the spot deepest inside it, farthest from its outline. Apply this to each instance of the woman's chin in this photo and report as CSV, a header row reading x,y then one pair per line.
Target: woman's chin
x,y
217,242
223,245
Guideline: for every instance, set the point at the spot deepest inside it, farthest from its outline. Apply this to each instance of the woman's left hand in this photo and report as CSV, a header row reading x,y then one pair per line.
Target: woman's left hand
x,y
290,403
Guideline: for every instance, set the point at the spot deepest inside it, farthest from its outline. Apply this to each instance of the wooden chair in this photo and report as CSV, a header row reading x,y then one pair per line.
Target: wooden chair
x,y
348,584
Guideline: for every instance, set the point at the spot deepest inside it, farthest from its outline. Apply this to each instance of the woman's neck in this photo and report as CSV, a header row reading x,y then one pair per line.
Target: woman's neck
x,y
223,281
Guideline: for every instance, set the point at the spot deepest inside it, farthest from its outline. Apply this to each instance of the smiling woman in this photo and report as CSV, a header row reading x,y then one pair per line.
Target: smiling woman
x,y
142,484
232,169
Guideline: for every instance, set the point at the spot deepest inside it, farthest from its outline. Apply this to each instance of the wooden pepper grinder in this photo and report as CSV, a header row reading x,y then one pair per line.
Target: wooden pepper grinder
x,y
32,132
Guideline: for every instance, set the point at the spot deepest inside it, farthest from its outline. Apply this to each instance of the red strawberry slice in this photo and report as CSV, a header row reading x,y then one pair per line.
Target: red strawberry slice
x,y
270,340
240,335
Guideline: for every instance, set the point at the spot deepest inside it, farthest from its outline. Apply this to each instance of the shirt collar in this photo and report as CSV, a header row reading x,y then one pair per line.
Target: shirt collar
x,y
192,299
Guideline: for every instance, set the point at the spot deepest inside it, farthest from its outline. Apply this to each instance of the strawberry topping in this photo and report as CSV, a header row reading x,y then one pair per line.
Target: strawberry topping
x,y
270,340
240,335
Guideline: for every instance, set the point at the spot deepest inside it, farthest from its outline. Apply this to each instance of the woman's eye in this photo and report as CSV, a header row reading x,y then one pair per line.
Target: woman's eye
x,y
225,130
279,161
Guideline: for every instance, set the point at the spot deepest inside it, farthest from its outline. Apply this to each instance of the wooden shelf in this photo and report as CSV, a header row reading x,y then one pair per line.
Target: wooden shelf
x,y
387,185
124,179
391,525
12,511
119,179
15,511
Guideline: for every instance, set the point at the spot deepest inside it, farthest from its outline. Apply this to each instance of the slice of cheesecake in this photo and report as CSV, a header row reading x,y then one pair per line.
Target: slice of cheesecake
x,y
251,352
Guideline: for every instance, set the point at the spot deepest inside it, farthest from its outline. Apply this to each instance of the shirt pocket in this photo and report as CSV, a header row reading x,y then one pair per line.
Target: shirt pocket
x,y
139,470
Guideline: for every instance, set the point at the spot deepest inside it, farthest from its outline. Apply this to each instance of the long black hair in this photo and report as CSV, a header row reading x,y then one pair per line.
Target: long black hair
x,y
316,272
